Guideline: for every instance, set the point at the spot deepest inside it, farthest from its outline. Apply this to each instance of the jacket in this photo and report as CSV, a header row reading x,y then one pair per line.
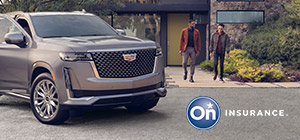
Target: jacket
x,y
184,37
225,40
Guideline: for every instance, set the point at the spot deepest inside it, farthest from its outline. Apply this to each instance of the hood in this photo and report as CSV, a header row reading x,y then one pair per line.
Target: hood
x,y
96,43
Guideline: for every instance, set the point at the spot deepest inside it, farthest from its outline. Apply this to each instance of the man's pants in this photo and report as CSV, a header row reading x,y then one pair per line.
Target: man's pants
x,y
216,59
189,52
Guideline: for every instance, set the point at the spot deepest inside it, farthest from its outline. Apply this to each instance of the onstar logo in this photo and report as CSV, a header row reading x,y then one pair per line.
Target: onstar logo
x,y
203,113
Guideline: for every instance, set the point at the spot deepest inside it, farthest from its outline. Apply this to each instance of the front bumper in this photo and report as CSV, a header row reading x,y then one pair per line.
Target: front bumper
x,y
97,100
74,77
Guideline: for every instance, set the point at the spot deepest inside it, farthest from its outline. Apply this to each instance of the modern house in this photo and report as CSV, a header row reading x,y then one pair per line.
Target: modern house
x,y
163,20
238,15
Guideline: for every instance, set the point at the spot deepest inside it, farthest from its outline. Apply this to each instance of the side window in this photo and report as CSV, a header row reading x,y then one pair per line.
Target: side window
x,y
25,25
6,27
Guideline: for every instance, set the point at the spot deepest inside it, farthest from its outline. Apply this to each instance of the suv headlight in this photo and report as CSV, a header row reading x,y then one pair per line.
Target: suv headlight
x,y
158,50
77,56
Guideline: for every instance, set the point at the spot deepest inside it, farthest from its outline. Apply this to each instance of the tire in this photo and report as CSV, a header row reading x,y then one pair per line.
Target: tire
x,y
44,101
142,106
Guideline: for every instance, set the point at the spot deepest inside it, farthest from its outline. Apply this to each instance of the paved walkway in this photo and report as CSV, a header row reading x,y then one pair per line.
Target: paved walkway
x,y
174,78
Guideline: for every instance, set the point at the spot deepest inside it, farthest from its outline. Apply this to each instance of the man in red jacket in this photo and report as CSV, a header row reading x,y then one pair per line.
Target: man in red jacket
x,y
189,47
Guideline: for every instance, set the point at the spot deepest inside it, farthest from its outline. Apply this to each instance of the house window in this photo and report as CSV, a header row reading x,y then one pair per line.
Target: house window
x,y
145,26
201,18
240,17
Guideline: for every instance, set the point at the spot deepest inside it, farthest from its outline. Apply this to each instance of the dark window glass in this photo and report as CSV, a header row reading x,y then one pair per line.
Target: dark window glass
x,y
240,16
70,25
141,25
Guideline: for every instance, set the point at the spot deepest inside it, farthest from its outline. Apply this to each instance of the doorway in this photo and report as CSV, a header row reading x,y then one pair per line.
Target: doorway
x,y
176,22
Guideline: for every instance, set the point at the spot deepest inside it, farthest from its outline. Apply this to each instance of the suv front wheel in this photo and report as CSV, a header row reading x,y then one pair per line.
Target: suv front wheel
x,y
45,101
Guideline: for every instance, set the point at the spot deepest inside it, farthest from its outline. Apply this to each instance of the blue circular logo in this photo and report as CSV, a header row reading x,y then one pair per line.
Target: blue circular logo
x,y
203,113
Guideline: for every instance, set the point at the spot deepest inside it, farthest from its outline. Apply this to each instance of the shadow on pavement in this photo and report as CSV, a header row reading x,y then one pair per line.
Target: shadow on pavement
x,y
14,103
116,116
103,117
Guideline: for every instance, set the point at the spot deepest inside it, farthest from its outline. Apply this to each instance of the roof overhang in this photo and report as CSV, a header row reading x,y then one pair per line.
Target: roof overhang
x,y
164,8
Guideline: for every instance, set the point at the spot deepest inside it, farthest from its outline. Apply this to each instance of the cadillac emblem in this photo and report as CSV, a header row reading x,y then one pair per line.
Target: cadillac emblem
x,y
129,57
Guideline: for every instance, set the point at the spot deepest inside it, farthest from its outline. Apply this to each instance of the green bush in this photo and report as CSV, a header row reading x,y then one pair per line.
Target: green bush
x,y
261,75
238,59
207,65
277,41
251,74
244,68
272,75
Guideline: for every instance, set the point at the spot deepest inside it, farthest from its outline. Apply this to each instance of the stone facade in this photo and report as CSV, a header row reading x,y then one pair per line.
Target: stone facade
x,y
238,31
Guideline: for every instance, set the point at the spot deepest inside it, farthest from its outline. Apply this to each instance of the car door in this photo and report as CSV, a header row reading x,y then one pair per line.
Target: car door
x,y
13,58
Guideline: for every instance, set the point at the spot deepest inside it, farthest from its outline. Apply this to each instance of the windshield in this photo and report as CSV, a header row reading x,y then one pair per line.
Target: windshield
x,y
70,26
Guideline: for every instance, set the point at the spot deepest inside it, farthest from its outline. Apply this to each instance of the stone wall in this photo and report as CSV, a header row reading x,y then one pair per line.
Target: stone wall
x,y
238,31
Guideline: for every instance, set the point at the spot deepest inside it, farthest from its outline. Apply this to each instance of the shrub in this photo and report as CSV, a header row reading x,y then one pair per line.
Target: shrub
x,y
207,65
270,66
272,75
229,67
242,67
277,41
238,59
261,75
251,74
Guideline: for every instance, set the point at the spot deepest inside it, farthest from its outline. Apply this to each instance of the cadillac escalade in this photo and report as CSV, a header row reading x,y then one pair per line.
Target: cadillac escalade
x,y
62,60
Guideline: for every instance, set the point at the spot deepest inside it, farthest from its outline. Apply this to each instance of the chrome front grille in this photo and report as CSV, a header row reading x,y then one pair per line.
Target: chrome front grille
x,y
111,64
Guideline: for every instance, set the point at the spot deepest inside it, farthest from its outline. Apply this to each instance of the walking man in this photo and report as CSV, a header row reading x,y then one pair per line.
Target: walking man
x,y
220,44
189,47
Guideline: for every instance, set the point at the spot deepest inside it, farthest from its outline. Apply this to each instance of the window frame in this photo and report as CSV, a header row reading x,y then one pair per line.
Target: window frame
x,y
28,39
263,11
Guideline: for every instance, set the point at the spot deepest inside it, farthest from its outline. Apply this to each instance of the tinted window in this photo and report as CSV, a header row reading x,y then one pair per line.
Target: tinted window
x,y
240,16
70,25
6,27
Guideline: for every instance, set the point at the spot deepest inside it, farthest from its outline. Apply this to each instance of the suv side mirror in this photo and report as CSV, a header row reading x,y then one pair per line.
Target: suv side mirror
x,y
121,32
14,38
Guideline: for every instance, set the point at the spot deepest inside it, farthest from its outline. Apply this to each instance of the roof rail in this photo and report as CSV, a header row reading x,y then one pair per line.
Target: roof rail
x,y
14,13
82,11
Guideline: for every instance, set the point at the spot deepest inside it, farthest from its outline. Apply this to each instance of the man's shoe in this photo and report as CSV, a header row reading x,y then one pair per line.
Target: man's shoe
x,y
221,79
215,77
192,80
185,76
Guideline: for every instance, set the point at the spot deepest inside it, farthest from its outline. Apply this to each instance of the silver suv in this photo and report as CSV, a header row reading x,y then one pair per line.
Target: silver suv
x,y
64,60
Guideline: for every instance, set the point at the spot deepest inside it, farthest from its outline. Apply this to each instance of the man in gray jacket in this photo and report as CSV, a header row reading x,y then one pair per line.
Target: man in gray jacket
x,y
220,44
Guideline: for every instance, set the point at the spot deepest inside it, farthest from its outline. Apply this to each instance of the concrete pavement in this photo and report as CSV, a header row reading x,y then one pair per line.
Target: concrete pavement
x,y
166,121
174,78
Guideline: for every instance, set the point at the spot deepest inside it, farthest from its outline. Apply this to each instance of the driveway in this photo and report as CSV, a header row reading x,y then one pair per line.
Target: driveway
x,y
167,120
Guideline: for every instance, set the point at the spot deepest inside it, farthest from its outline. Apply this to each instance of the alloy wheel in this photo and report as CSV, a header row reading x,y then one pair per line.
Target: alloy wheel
x,y
45,99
